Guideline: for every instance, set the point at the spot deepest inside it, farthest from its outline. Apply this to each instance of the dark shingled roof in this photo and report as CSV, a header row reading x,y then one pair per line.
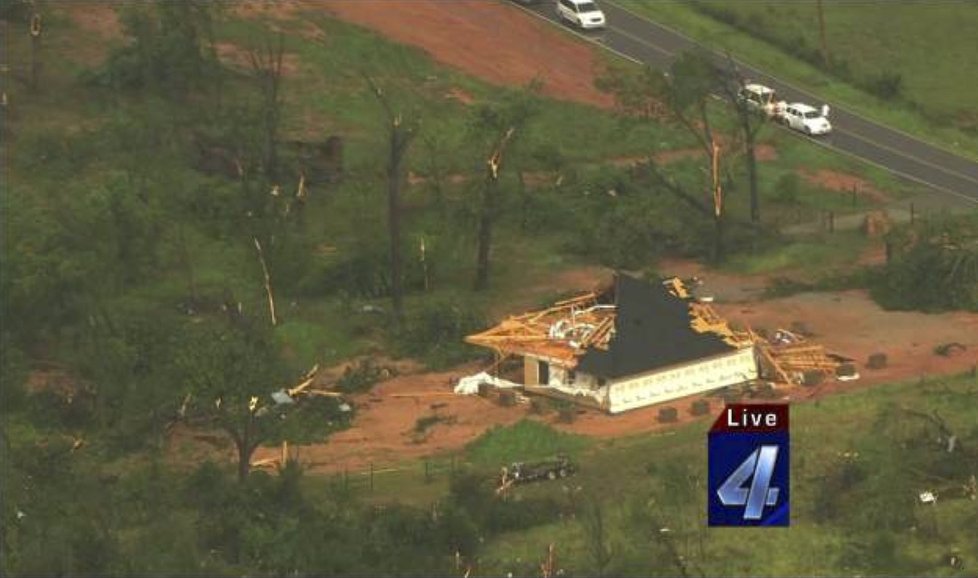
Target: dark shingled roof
x,y
652,330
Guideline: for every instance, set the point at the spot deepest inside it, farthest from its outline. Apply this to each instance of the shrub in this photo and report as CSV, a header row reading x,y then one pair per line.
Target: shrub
x,y
434,332
361,376
787,188
933,267
507,398
886,85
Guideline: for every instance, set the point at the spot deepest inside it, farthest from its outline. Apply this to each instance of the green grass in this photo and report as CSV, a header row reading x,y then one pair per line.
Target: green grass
x,y
525,440
895,30
818,253
656,468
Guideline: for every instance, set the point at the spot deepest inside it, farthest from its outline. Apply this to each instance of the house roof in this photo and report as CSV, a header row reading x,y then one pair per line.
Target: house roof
x,y
632,327
653,329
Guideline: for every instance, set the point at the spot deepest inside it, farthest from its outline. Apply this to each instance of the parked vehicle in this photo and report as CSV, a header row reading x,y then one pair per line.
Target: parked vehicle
x,y
584,14
762,99
807,119
521,473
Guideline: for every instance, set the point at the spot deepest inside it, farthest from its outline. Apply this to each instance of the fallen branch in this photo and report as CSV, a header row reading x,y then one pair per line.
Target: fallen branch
x,y
268,282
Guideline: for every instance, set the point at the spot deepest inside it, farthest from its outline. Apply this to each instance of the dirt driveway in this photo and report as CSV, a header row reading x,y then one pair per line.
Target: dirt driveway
x,y
848,323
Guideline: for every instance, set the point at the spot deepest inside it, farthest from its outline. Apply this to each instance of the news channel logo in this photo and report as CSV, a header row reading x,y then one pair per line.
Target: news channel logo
x,y
749,466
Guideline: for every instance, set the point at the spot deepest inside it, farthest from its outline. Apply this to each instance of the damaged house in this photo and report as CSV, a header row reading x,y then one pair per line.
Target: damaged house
x,y
633,345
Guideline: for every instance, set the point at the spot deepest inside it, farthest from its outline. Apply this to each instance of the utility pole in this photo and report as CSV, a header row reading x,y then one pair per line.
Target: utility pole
x,y
821,32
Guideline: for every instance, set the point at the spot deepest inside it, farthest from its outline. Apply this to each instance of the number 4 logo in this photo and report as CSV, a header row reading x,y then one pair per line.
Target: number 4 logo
x,y
759,465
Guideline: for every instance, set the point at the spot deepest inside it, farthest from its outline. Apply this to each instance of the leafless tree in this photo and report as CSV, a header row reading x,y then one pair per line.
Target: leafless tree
x,y
400,136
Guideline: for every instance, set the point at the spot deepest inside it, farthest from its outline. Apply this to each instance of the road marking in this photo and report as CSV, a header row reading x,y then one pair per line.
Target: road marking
x,y
560,24
794,87
642,41
919,180
908,156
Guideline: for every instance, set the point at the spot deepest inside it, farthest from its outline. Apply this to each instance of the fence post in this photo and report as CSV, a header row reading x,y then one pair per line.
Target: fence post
x,y
831,221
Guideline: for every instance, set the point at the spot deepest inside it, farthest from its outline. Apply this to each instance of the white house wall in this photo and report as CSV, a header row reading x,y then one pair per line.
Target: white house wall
x,y
681,381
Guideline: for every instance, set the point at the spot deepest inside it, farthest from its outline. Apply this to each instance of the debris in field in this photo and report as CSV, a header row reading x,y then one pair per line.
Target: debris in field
x,y
928,498
949,349
280,397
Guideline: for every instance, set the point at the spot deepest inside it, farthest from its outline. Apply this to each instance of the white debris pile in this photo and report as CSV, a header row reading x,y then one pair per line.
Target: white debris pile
x,y
470,385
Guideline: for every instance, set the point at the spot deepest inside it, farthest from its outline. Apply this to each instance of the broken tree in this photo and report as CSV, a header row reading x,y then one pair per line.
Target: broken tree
x,y
503,123
401,134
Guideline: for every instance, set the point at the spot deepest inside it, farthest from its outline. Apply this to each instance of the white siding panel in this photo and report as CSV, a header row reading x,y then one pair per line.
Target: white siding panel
x,y
690,379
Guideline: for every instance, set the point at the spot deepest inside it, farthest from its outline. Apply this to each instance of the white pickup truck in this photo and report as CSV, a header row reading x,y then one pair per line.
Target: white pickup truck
x,y
799,116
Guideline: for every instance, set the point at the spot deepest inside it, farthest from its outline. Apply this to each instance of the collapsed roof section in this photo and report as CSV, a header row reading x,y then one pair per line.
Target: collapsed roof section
x,y
561,333
631,328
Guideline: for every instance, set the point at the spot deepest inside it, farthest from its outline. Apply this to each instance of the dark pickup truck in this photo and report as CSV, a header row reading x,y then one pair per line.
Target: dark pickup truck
x,y
521,473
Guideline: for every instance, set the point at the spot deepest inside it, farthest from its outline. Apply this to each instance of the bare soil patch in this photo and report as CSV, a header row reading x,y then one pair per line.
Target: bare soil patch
x,y
489,40
844,183
848,323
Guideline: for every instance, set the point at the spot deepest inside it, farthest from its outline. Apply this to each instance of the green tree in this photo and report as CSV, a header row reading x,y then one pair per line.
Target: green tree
x,y
230,371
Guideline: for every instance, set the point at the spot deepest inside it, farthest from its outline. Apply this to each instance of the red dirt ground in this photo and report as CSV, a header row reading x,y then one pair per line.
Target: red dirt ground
x,y
848,323
490,40
499,44
843,183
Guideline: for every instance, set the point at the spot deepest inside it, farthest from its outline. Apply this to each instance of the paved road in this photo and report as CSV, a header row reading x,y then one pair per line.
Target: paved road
x,y
642,40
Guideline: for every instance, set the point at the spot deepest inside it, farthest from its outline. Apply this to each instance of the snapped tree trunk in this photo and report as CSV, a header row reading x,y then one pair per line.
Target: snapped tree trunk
x,y
755,201
246,446
394,218
486,216
718,248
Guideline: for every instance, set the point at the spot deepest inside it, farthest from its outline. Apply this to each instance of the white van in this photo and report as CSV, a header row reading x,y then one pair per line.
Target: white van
x,y
807,119
584,14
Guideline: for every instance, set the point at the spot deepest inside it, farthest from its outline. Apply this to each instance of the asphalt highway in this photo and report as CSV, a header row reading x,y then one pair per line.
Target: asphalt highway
x,y
641,40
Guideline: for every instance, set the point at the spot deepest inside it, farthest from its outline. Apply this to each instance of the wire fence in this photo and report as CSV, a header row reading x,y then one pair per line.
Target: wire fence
x,y
373,477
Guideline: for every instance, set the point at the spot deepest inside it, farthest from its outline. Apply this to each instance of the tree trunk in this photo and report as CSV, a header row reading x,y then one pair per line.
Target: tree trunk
x,y
524,203
718,248
394,219
821,34
486,216
755,201
246,447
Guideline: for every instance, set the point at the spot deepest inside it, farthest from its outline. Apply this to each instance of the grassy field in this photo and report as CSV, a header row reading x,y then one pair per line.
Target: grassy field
x,y
858,460
873,38
324,96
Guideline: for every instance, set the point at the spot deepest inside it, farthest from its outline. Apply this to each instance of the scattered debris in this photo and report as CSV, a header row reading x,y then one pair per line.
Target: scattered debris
x,y
949,349
470,385
927,498
876,361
